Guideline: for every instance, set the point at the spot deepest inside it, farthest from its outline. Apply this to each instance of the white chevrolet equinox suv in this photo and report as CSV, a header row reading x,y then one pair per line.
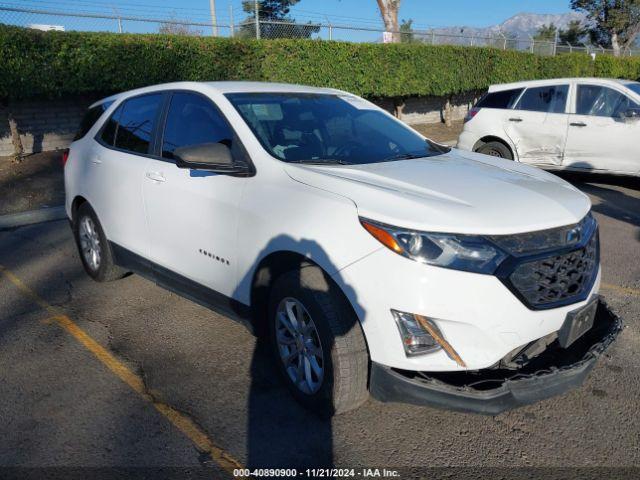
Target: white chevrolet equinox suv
x,y
375,260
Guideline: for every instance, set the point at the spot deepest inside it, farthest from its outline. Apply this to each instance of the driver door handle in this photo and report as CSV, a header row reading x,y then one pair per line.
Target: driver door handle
x,y
156,176
515,119
578,124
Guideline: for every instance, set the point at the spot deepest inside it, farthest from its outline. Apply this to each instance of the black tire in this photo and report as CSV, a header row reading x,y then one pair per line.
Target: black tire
x,y
496,149
344,351
106,270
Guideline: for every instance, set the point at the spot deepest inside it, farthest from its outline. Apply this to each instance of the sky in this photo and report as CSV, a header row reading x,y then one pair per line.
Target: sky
x,y
425,13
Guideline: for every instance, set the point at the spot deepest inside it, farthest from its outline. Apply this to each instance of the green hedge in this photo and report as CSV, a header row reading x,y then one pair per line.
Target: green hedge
x,y
35,63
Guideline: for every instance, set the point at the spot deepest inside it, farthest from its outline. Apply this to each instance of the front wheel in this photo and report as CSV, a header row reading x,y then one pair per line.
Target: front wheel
x,y
496,149
317,342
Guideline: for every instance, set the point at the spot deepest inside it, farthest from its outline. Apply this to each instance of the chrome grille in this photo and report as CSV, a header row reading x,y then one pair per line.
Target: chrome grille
x,y
557,279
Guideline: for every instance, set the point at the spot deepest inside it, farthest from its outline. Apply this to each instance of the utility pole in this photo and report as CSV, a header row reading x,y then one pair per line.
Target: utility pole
x,y
231,24
256,9
214,21
115,10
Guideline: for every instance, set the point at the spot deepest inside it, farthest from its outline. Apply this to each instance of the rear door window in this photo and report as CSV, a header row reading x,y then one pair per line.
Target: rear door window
x,y
136,122
549,99
504,99
108,134
90,118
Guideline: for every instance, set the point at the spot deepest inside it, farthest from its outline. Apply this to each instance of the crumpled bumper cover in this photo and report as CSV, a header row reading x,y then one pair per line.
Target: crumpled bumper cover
x,y
498,395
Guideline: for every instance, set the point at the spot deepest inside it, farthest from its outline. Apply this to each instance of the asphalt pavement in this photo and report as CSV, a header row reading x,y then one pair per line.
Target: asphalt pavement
x,y
126,374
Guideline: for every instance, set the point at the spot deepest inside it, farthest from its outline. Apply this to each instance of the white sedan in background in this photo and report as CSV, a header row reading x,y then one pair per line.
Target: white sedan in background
x,y
579,124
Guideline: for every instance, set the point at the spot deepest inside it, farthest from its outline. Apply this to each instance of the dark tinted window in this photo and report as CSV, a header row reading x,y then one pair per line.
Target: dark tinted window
x,y
551,99
602,101
193,120
90,118
108,134
136,123
504,99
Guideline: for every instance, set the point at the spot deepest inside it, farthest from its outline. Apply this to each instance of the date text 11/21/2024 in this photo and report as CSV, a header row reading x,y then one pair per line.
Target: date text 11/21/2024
x,y
318,472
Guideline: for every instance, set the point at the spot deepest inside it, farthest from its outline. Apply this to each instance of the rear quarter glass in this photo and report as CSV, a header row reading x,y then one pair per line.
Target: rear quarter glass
x,y
504,99
90,118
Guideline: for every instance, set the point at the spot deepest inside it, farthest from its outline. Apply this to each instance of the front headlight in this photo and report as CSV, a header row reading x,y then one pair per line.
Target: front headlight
x,y
470,253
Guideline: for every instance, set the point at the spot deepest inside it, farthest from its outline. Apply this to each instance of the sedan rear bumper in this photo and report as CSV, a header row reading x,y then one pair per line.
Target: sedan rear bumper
x,y
491,392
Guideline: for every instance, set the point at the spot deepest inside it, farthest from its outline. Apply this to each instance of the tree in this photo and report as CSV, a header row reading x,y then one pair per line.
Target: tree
x,y
406,32
615,23
546,33
389,12
574,33
277,22
171,28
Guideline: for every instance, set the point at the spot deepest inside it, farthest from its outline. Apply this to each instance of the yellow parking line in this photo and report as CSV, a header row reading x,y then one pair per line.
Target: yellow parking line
x,y
184,424
619,289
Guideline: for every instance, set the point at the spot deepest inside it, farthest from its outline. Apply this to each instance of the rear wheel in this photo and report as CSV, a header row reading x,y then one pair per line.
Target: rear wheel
x,y
317,342
496,149
93,246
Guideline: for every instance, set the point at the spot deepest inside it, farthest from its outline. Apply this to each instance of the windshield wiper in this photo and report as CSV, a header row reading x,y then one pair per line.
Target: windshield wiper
x,y
432,149
405,156
322,161
438,147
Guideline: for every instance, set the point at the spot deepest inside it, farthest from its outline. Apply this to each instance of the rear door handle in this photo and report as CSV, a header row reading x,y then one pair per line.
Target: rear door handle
x,y
515,119
156,176
578,124
96,160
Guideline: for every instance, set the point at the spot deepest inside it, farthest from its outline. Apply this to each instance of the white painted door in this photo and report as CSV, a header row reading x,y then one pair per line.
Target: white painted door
x,y
193,214
537,125
603,135
117,164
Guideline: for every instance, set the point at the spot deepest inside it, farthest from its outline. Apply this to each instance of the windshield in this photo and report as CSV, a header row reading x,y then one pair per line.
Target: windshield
x,y
634,87
320,128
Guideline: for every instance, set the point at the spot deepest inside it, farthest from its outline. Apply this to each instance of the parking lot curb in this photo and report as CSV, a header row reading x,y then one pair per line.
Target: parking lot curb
x,y
31,217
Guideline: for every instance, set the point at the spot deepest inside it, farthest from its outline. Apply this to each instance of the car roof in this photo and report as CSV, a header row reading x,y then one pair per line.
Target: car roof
x,y
225,87
555,81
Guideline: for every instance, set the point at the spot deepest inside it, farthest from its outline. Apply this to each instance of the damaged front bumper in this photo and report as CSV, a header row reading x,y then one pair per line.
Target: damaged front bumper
x,y
493,391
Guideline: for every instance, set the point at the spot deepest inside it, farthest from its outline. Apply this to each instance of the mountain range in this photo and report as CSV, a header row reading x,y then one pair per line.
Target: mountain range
x,y
521,25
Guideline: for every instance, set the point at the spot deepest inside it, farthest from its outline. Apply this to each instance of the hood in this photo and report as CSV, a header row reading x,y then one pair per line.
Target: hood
x,y
457,192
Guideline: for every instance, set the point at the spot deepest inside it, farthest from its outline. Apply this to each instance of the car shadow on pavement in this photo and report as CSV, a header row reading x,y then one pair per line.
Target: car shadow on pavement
x,y
280,432
613,203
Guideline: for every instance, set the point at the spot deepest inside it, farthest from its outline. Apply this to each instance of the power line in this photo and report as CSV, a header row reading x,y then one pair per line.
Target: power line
x,y
164,13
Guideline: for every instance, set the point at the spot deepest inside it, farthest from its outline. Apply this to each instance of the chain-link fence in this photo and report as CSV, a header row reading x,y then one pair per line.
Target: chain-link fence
x,y
49,19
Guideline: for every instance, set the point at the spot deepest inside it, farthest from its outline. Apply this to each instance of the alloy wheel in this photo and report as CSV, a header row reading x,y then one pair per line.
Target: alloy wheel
x,y
89,243
299,346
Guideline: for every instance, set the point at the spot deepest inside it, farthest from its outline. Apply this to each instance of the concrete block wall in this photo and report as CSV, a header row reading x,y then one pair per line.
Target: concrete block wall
x,y
431,109
46,125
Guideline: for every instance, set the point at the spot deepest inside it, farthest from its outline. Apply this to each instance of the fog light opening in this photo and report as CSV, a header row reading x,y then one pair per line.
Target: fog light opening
x,y
420,336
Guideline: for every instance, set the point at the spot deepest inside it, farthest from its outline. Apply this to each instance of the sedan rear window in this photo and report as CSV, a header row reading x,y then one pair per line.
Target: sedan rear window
x,y
503,99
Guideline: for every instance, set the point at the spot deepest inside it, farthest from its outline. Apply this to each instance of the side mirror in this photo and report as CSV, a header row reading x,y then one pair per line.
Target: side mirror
x,y
632,114
214,157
